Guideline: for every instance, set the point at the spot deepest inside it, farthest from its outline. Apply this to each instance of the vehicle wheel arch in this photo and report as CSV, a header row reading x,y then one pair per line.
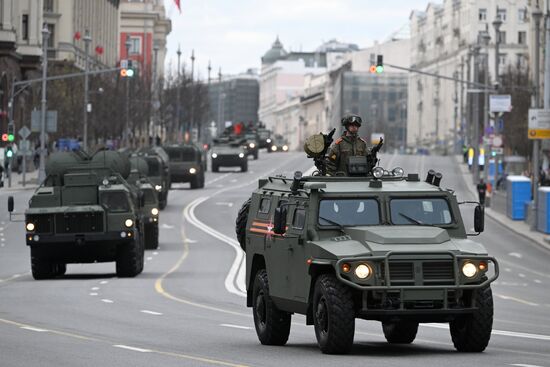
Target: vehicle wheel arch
x,y
315,270
258,263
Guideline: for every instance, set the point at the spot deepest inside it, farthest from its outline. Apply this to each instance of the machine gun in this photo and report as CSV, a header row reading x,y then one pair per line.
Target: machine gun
x,y
372,160
316,147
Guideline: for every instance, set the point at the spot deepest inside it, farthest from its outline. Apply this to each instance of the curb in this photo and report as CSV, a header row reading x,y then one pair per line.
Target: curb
x,y
506,223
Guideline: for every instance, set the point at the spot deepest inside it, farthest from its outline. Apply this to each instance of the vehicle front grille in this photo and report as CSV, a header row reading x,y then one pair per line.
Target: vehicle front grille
x,y
438,272
418,272
43,222
79,222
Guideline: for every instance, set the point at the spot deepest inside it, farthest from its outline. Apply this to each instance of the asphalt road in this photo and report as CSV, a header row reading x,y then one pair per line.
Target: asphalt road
x,y
188,309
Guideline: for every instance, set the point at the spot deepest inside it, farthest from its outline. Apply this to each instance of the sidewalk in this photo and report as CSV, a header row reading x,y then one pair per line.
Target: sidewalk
x,y
517,226
31,181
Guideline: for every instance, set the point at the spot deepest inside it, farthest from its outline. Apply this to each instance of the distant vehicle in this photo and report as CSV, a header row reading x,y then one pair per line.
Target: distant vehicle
x,y
228,153
264,138
187,164
252,145
278,144
159,171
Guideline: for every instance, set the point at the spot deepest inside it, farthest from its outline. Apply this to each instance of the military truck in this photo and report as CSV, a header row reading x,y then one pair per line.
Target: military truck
x,y
187,164
278,144
150,208
385,246
227,152
252,145
264,137
159,171
84,212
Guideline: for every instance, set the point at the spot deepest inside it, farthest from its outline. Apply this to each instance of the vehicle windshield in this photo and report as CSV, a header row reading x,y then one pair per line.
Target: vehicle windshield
x,y
154,167
349,212
115,201
149,196
420,211
183,154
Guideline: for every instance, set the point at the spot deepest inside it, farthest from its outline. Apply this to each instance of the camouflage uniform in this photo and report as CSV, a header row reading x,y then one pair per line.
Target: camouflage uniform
x,y
344,147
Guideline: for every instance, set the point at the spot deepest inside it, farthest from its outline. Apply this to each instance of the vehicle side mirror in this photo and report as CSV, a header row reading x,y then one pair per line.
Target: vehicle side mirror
x,y
479,219
10,204
279,225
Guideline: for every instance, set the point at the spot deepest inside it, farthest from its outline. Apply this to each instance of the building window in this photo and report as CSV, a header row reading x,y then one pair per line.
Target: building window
x,y
522,38
25,27
502,38
51,39
48,6
501,60
501,14
522,15
135,46
482,15
520,60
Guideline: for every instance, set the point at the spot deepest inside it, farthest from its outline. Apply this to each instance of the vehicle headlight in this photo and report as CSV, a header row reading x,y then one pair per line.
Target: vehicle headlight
x,y
241,155
155,211
158,187
252,145
192,170
469,270
214,155
285,148
30,227
268,140
128,223
362,271
398,171
274,148
378,172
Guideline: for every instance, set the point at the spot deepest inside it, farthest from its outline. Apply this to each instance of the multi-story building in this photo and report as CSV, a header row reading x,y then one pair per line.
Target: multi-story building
x,y
234,99
69,21
145,25
441,38
20,50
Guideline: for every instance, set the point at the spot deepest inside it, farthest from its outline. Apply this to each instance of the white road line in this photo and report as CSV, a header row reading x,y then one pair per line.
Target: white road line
x,y
151,312
93,294
132,348
225,204
95,288
218,178
521,275
498,332
515,254
107,301
155,253
509,298
34,329
538,281
104,282
149,258
236,326
233,180
166,226
190,241
524,365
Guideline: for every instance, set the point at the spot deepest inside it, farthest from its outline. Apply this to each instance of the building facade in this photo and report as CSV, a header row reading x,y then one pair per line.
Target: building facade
x,y
442,38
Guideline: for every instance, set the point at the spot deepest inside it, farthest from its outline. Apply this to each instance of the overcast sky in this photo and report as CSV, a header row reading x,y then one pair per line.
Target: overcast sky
x,y
234,34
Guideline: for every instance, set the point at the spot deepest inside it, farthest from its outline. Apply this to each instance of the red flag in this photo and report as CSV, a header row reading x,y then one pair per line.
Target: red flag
x,y
178,5
99,50
77,36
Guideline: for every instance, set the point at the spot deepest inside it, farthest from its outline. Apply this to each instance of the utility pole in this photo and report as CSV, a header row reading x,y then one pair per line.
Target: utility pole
x,y
496,24
178,88
192,122
125,136
461,103
209,71
537,15
87,40
547,60
220,97
475,140
469,100
42,165
486,38
455,127
154,96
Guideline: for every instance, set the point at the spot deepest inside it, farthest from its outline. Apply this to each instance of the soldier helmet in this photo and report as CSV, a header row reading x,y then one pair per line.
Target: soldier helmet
x,y
351,119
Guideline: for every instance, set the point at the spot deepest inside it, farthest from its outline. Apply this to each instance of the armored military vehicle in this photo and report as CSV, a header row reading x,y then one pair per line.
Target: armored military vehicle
x,y
264,137
84,212
150,208
187,164
159,171
382,246
227,152
278,144
251,144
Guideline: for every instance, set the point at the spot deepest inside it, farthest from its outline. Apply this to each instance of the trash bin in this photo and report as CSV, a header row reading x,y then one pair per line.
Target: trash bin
x,y
518,193
543,219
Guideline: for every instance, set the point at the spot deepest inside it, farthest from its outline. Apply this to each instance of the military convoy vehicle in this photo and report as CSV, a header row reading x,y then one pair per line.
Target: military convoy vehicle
x,y
228,153
264,138
382,246
150,209
278,144
251,145
159,172
187,164
84,212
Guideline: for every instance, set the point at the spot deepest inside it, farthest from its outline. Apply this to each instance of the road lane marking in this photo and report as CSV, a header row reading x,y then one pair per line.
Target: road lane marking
x,y
121,346
190,241
13,277
149,258
95,288
510,298
521,275
107,301
516,255
236,326
155,253
166,226
538,281
93,294
524,365
151,312
224,204
34,329
498,332
104,282
218,178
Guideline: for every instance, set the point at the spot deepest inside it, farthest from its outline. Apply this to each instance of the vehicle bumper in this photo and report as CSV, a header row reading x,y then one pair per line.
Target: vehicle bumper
x,y
229,161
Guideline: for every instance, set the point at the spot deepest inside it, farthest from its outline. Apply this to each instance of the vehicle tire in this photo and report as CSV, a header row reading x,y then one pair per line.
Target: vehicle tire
x,y
129,262
255,155
471,333
201,185
333,315
402,332
151,236
244,167
162,204
195,182
60,269
240,224
272,325
215,168
41,268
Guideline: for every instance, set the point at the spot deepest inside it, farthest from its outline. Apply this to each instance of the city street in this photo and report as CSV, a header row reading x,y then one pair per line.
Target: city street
x,y
188,307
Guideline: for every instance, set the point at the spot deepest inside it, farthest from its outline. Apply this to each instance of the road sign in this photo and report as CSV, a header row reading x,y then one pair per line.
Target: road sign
x,y
500,103
539,124
497,150
497,141
124,64
24,132
51,121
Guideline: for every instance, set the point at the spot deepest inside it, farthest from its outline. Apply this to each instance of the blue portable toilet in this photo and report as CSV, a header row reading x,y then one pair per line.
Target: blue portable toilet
x,y
543,219
518,193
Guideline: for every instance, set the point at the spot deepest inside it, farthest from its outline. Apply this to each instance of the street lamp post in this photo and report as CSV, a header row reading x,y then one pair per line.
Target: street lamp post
x,y
475,140
155,96
496,24
42,164
485,41
192,122
178,87
537,15
87,40
125,136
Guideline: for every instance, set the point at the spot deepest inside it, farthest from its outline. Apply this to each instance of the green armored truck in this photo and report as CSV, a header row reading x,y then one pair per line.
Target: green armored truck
x,y
150,209
159,172
187,164
383,246
84,212
252,144
228,152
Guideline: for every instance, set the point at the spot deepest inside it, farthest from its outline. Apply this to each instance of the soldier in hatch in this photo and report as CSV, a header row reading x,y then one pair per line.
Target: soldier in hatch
x,y
348,145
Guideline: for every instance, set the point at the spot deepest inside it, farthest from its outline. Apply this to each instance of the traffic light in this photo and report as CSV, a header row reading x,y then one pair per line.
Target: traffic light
x,y
379,67
11,132
9,152
127,70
